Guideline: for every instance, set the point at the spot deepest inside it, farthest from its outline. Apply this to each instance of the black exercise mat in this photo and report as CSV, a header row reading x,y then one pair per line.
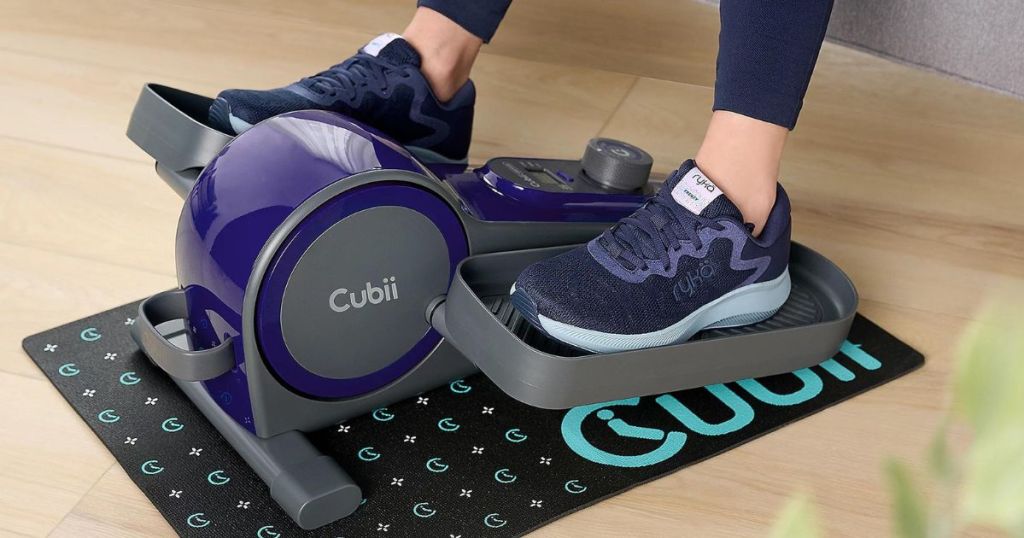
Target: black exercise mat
x,y
461,460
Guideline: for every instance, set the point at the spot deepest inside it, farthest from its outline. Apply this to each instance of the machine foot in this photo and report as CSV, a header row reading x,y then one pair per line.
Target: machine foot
x,y
311,487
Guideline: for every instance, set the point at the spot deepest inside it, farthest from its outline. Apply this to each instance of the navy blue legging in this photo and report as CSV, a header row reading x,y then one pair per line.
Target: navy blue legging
x,y
766,50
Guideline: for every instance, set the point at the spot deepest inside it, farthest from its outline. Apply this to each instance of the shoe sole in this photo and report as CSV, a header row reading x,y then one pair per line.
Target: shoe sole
x,y
743,306
223,120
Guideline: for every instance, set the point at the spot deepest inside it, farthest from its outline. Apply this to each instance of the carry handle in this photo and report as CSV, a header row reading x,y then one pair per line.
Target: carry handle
x,y
179,363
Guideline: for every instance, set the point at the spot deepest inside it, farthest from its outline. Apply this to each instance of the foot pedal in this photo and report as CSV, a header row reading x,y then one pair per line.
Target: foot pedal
x,y
170,125
480,321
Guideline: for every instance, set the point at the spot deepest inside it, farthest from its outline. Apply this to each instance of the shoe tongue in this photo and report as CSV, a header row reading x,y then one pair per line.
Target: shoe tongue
x,y
392,48
693,190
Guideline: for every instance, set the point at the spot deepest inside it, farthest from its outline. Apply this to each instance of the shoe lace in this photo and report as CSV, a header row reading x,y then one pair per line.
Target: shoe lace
x,y
653,232
348,76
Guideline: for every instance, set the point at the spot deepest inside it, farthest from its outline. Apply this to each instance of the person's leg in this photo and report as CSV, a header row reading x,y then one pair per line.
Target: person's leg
x,y
447,49
767,51
478,17
448,35
687,260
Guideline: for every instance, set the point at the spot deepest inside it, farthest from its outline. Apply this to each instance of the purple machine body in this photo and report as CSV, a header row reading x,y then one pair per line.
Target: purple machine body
x,y
258,181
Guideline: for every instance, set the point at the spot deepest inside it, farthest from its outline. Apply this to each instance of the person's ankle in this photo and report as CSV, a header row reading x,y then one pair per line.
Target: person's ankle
x,y
741,155
447,51
750,190
445,74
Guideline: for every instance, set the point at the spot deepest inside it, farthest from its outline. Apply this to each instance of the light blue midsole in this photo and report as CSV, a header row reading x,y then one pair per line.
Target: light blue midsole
x,y
423,155
751,304
239,125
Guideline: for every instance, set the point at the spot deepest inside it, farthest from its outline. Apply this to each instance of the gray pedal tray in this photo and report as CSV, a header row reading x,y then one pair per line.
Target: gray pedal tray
x,y
170,125
479,321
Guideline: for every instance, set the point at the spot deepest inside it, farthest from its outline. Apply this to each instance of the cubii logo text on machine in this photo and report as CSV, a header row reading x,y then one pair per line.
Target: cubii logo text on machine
x,y
341,299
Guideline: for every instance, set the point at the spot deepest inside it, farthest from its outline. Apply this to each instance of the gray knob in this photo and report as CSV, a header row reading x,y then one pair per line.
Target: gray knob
x,y
616,165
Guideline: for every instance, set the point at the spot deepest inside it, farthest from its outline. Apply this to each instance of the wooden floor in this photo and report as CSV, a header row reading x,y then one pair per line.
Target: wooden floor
x,y
912,182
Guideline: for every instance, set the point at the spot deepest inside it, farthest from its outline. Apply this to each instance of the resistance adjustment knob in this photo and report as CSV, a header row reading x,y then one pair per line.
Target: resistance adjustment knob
x,y
616,165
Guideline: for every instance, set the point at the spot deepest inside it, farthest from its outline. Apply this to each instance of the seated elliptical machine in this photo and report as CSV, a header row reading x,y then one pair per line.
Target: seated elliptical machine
x,y
325,272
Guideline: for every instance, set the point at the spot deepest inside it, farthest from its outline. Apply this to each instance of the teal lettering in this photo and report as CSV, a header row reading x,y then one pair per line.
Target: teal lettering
x,y
812,387
742,413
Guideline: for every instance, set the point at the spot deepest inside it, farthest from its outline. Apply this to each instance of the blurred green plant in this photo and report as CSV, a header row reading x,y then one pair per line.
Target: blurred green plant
x,y
798,519
981,485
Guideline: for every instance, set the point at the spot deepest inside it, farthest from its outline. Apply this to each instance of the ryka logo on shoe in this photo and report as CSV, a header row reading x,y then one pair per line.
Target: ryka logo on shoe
x,y
695,191
703,182
342,300
693,280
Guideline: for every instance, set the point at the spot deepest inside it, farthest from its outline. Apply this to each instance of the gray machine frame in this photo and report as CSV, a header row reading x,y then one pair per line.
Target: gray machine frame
x,y
480,328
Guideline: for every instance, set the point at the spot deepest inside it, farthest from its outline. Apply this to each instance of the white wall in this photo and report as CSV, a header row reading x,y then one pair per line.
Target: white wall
x,y
978,40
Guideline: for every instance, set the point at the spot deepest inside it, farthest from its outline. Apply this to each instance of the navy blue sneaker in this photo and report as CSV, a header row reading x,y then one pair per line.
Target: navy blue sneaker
x,y
683,262
381,86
